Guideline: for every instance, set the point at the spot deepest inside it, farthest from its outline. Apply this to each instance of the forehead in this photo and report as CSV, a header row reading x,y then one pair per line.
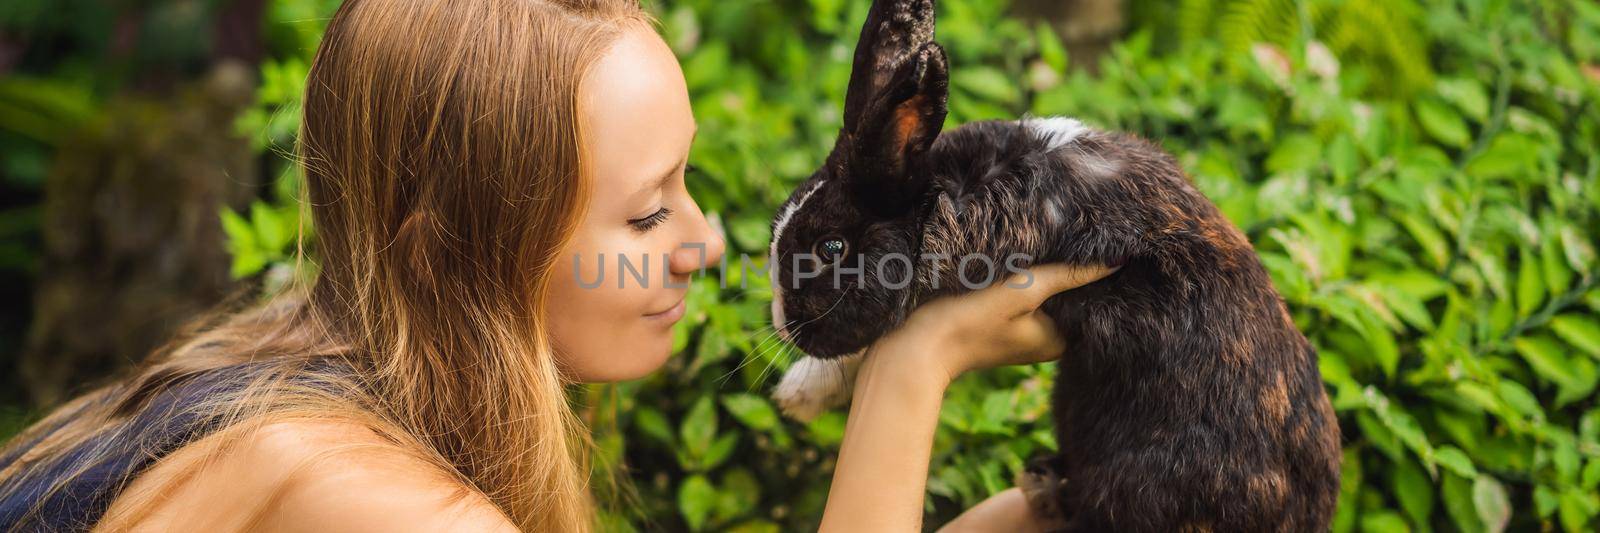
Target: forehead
x,y
819,207
635,109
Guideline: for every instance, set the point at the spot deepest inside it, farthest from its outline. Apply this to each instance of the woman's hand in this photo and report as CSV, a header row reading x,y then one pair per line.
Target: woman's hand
x,y
879,481
994,326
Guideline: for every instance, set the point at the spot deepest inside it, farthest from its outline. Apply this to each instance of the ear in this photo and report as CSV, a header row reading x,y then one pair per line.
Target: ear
x,y
903,120
895,105
895,31
898,125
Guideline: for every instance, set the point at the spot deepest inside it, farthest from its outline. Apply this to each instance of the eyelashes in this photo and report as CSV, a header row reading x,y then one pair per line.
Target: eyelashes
x,y
650,222
655,219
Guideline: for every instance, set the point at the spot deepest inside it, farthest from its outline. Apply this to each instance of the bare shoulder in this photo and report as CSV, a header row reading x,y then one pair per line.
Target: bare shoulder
x,y
344,476
305,475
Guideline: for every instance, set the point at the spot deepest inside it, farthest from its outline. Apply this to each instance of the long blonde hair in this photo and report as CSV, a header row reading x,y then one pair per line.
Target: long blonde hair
x,y
441,150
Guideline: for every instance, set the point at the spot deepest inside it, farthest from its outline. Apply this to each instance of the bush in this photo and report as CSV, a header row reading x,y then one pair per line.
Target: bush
x,y
1420,178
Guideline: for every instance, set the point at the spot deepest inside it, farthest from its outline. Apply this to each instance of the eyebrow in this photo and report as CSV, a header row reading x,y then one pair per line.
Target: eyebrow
x,y
661,181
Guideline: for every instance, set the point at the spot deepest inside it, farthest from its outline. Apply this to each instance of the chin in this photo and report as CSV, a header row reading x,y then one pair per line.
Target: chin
x,y
651,359
826,347
640,360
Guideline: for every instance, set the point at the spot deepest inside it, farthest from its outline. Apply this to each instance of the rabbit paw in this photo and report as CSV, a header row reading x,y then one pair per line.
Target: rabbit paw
x,y
813,385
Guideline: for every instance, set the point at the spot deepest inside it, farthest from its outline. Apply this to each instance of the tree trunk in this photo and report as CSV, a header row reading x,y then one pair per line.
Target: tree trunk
x,y
133,244
1086,27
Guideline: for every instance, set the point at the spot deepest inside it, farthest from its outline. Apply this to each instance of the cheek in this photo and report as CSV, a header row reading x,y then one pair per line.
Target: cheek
x,y
598,327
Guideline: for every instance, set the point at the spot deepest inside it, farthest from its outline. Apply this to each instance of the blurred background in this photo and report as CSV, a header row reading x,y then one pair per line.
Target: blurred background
x,y
1420,177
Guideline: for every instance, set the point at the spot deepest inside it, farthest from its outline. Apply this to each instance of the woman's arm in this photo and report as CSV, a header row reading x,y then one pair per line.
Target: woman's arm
x,y
1006,511
879,482
883,461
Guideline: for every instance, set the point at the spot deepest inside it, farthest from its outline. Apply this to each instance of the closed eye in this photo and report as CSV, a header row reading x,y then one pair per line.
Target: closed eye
x,y
650,222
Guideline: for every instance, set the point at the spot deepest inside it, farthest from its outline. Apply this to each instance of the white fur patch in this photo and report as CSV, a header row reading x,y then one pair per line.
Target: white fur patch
x,y
1052,210
772,255
813,385
1057,131
1095,166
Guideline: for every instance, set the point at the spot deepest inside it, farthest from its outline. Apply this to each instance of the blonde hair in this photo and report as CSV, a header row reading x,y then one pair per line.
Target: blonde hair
x,y
443,163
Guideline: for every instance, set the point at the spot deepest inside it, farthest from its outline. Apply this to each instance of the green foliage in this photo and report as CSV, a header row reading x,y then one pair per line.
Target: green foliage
x,y
1376,36
1420,178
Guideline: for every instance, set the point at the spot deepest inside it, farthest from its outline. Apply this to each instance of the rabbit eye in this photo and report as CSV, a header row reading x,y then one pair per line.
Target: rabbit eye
x,y
830,250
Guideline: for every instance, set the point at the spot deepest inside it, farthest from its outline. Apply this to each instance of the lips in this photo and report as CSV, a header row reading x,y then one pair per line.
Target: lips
x,y
671,314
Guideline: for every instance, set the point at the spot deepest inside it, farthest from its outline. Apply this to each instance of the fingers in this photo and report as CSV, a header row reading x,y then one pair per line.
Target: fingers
x,y
1039,330
1054,278
1039,283
1030,338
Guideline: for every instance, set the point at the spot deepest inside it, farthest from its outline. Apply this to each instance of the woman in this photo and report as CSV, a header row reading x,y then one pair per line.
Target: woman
x,y
458,155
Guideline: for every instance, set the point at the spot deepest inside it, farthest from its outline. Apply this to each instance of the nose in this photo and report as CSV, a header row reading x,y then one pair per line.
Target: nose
x,y
687,258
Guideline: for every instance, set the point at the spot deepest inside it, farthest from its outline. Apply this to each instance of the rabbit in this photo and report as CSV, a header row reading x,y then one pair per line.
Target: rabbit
x,y
1187,399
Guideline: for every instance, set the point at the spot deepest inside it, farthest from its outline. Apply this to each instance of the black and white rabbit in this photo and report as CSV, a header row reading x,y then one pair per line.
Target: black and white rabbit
x,y
1187,401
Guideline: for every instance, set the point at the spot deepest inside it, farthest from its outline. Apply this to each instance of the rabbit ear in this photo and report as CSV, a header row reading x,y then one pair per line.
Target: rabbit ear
x,y
901,122
897,100
894,33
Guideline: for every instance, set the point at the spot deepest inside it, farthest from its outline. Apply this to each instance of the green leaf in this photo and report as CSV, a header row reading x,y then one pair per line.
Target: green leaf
x,y
752,410
272,231
1494,272
699,427
1384,522
1576,508
652,424
1580,254
1397,419
1414,490
1509,156
1544,355
750,233
706,66
1408,307
1564,456
1518,397
1050,49
713,346
755,526
1545,501
987,83
241,240
996,411
1349,488
1580,331
1343,160
696,498
1242,113
1580,385
739,495
1479,395
827,430
1427,235
1455,460
1442,123
1530,291
1295,153
1492,503
1456,493
719,451
1468,96
1558,277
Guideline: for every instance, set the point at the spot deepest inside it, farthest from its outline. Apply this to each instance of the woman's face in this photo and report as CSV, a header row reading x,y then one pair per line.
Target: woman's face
x,y
612,323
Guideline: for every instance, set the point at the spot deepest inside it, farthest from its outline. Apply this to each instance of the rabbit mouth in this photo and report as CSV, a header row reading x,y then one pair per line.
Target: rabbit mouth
x,y
778,322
